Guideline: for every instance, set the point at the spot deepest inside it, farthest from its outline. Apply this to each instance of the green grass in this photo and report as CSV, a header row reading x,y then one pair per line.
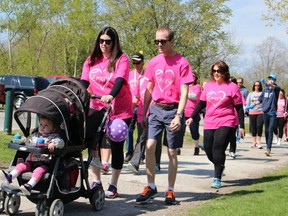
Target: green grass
x,y
6,154
268,196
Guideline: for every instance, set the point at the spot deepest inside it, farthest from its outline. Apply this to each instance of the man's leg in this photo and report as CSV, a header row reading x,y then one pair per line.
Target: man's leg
x,y
150,191
173,166
151,160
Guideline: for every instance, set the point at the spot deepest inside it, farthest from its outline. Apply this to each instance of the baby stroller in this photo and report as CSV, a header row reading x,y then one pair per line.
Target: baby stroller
x,y
67,177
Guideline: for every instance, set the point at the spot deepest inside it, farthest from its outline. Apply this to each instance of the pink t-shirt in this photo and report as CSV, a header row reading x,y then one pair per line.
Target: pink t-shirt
x,y
134,76
191,104
167,75
102,81
281,107
220,101
141,88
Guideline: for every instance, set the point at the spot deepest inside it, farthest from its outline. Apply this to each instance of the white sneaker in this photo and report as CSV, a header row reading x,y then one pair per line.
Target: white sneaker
x,y
259,146
278,141
232,155
97,163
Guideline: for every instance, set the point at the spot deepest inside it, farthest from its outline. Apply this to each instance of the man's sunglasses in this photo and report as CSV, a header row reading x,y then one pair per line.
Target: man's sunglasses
x,y
108,42
136,63
163,42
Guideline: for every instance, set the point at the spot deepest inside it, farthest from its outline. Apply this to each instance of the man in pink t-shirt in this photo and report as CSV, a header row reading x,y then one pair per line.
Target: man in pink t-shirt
x,y
169,75
134,79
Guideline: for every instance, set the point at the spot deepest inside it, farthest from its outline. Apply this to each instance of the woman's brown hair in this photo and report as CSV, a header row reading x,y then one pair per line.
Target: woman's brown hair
x,y
116,50
223,70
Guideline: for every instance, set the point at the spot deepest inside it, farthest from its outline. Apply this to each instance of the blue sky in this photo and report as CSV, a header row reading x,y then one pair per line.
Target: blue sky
x,y
247,27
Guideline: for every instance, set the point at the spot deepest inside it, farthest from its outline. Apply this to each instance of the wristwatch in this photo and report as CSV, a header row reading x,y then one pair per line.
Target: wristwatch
x,y
179,114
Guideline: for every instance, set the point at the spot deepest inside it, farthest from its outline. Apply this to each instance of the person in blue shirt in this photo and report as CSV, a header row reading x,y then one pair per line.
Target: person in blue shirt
x,y
269,98
244,91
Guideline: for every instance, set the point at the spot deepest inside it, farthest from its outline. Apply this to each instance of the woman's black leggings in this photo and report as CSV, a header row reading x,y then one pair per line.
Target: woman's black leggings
x,y
216,142
279,126
256,124
117,153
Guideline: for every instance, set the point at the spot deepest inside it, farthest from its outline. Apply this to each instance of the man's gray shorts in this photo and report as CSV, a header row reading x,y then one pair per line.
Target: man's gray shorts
x,y
160,119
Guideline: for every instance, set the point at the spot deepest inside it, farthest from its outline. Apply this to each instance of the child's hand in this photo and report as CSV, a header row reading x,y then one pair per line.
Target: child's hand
x,y
51,146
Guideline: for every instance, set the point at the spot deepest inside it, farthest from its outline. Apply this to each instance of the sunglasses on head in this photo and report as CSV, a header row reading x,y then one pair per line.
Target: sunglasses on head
x,y
163,42
136,63
108,42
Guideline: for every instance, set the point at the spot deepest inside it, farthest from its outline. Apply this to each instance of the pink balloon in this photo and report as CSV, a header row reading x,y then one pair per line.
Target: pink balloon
x,y
117,130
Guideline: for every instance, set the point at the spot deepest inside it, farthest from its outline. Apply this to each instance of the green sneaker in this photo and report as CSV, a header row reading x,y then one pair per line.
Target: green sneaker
x,y
216,183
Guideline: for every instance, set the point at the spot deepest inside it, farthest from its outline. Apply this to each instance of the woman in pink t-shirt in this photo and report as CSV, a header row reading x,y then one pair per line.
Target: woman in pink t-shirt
x,y
222,100
107,70
194,93
281,117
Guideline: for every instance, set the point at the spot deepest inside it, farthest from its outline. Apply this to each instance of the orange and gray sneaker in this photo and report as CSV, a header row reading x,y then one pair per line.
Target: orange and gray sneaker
x,y
146,195
170,197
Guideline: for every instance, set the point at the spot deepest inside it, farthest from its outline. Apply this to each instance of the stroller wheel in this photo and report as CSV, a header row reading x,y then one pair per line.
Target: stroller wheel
x,y
98,199
56,208
41,209
12,204
2,199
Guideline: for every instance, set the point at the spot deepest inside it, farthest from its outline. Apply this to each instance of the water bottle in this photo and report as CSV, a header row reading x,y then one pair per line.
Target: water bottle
x,y
17,138
40,142
238,136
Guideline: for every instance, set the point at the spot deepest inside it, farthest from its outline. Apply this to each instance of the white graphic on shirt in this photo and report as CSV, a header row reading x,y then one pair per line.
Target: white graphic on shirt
x,y
215,98
268,94
99,77
164,79
133,84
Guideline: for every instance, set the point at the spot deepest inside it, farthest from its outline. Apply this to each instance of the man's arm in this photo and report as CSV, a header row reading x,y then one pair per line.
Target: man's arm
x,y
183,99
147,101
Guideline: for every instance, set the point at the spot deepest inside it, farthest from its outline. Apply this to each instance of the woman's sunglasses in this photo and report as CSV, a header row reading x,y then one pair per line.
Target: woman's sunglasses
x,y
108,42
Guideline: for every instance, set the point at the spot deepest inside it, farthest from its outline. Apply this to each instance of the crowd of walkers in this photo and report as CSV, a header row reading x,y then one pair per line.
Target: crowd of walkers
x,y
163,98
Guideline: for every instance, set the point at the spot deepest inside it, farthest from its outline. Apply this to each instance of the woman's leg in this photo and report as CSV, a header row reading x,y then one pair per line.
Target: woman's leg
x,y
221,139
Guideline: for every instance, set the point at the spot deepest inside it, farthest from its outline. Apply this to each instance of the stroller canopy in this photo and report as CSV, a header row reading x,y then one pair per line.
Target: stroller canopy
x,y
47,103
66,101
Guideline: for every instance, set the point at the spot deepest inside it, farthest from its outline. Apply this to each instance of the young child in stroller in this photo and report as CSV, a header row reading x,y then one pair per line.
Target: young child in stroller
x,y
36,162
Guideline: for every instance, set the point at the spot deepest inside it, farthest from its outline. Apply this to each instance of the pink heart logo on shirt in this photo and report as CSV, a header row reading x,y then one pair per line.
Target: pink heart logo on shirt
x,y
215,98
164,79
100,78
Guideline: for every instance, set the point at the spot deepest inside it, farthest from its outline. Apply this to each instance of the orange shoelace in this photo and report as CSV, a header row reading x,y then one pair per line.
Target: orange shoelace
x,y
146,190
170,194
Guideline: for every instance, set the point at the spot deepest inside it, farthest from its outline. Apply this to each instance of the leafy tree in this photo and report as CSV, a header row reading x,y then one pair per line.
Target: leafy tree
x,y
47,37
277,12
197,24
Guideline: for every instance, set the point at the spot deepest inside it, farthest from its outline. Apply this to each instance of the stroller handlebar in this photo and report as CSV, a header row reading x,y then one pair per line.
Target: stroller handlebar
x,y
94,96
